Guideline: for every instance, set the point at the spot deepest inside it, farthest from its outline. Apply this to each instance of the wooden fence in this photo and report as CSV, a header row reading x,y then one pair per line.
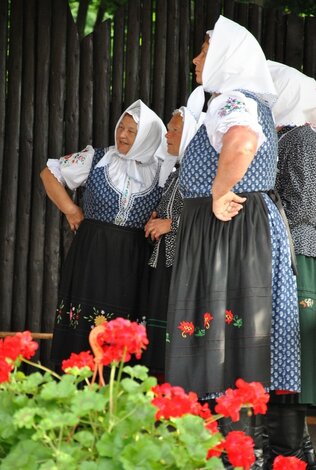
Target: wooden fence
x,y
58,94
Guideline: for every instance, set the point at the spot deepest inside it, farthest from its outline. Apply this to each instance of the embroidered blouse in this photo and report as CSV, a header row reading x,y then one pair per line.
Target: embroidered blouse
x,y
296,184
170,207
125,205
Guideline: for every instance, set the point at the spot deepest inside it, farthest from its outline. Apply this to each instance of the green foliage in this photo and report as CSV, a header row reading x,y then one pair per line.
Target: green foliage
x,y
69,424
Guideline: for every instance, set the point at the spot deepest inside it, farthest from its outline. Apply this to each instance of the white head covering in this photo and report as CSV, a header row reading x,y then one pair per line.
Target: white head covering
x,y
296,103
192,116
140,163
234,61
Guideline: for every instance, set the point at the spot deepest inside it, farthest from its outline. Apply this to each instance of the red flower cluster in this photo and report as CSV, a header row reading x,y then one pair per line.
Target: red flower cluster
x,y
239,448
250,394
12,347
288,463
120,339
173,402
83,359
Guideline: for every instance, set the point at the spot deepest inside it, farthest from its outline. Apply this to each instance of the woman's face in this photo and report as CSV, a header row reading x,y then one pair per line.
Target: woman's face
x,y
174,134
126,134
199,60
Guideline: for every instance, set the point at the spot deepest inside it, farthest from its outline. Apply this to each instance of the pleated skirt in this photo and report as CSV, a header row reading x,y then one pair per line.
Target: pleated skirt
x,y
220,303
105,276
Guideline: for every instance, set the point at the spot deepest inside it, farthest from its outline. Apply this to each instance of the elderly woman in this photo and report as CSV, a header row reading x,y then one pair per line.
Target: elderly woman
x,y
105,274
233,303
162,229
295,118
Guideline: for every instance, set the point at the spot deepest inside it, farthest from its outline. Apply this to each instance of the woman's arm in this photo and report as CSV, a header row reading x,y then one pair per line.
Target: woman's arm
x,y
59,196
239,147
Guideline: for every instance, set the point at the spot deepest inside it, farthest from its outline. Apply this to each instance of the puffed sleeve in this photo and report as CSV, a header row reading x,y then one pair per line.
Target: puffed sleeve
x,y
228,110
72,170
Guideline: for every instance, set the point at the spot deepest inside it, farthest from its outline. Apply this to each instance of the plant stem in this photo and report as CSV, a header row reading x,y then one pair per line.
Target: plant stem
x,y
39,366
112,376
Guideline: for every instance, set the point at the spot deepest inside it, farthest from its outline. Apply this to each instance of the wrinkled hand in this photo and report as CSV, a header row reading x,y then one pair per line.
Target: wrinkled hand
x,y
74,217
155,228
228,206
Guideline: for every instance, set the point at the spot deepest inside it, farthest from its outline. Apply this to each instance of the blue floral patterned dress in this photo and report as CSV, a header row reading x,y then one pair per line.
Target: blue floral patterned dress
x,y
233,303
106,269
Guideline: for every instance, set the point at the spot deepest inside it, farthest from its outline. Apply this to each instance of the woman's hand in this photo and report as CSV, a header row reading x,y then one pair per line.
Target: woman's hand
x,y
155,228
74,217
227,206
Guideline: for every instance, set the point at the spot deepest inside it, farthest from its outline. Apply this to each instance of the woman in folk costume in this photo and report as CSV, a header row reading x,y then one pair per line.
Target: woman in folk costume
x,y
295,120
233,302
162,228
105,272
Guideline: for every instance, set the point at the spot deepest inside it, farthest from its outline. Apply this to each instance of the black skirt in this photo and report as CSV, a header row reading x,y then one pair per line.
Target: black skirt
x,y
156,321
105,275
220,305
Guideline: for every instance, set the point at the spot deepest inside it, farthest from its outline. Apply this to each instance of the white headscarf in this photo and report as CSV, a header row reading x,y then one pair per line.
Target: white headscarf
x,y
234,61
296,103
192,116
140,163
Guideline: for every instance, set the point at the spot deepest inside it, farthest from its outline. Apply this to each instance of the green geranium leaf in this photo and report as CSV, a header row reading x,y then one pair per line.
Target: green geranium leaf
x,y
25,418
26,455
85,438
129,385
88,400
138,372
59,390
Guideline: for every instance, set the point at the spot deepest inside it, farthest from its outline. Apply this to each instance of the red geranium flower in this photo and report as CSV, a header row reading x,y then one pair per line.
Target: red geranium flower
x,y
174,402
20,344
229,316
229,404
216,451
288,463
239,448
121,338
187,328
83,359
5,369
254,394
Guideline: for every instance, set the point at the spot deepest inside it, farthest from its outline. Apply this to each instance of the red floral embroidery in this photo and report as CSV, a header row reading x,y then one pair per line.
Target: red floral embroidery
x,y
229,316
187,328
208,317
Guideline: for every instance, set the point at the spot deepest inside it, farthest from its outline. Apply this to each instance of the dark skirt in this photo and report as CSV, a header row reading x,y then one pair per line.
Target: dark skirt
x,y
219,315
105,276
306,286
156,322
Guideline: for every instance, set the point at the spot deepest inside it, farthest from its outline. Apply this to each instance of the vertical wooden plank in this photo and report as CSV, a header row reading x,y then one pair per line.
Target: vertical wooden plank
x,y
40,155
280,38
86,92
82,15
146,48
132,52
55,148
20,281
72,87
310,47
294,50
117,70
8,206
255,19
269,27
241,14
185,53
102,82
199,32
212,12
3,65
229,9
171,97
160,57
